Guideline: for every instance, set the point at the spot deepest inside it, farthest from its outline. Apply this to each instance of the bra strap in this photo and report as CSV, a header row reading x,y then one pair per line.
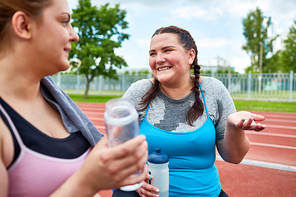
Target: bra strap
x,y
12,126
204,100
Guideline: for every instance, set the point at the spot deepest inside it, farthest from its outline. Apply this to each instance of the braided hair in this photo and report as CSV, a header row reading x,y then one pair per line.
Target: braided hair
x,y
186,40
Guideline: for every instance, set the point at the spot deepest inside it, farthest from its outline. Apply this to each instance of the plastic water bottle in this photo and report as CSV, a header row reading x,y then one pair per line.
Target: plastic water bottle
x,y
121,121
158,167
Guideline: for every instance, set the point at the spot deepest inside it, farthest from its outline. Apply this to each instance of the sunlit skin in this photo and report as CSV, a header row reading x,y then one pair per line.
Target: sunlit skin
x,y
169,61
53,36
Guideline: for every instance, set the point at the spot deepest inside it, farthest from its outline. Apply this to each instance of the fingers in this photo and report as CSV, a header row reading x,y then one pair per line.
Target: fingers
x,y
136,178
149,177
250,124
124,149
259,117
134,165
132,160
151,192
246,121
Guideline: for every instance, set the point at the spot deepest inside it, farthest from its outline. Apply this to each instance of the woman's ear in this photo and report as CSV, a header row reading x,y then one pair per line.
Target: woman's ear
x,y
191,56
21,25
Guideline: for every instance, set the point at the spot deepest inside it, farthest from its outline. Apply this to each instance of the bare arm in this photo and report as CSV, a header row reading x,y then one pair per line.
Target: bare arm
x,y
235,144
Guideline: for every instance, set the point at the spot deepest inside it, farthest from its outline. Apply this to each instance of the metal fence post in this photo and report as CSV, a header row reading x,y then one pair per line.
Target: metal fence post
x,y
291,85
229,79
100,84
249,85
78,83
59,79
123,82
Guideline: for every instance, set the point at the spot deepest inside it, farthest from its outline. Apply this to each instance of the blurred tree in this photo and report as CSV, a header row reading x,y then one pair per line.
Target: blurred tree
x,y
273,64
284,60
225,71
288,57
100,32
255,32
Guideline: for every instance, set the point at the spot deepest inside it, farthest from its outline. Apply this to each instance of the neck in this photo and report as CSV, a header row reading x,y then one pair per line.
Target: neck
x,y
177,92
20,81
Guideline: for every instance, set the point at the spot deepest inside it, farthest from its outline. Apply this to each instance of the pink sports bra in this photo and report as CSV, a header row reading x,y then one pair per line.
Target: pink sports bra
x,y
36,174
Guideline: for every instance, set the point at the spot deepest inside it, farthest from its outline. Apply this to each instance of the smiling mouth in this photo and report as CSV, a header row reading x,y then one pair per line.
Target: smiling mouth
x,y
163,68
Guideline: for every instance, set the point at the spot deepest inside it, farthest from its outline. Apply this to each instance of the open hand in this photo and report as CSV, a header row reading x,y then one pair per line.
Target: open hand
x,y
246,121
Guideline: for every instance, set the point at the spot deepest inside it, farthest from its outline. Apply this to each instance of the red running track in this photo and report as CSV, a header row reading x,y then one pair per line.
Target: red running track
x,y
269,168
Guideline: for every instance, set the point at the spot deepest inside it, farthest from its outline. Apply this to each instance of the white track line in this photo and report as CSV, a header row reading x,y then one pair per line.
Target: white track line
x,y
100,127
94,118
92,112
280,126
264,164
281,120
273,145
279,116
270,134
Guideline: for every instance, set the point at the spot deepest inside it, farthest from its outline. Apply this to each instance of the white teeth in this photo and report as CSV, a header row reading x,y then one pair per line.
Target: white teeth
x,y
165,68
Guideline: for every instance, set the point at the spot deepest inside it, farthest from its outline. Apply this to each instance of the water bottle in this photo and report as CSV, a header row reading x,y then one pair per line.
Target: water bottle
x,y
122,124
158,167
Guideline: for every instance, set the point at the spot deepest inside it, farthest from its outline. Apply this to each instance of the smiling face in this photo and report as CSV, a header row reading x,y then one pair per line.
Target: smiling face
x,y
169,61
51,40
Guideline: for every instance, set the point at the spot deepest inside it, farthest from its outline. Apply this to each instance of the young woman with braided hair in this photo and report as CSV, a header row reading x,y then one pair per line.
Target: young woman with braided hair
x,y
186,117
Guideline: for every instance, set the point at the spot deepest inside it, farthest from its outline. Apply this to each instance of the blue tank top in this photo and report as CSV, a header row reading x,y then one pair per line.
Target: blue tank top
x,y
191,157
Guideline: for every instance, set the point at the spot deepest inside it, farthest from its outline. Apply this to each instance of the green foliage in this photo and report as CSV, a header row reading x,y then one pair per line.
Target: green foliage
x,y
100,32
264,106
92,98
255,32
139,72
289,54
203,71
225,70
284,60
274,63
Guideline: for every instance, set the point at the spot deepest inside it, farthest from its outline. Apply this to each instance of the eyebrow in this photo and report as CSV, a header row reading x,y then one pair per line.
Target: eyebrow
x,y
162,48
69,16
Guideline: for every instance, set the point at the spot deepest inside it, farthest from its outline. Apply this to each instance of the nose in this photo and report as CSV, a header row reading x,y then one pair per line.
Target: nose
x,y
159,58
73,36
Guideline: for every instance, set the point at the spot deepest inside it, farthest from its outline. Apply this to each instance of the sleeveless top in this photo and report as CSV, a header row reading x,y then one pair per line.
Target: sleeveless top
x,y
192,171
40,166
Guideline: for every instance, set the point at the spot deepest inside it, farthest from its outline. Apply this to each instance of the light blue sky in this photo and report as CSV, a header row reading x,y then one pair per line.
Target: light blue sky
x,y
215,25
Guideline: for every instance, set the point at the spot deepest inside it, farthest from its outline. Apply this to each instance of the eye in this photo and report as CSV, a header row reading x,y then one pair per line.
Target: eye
x,y
167,50
152,54
65,22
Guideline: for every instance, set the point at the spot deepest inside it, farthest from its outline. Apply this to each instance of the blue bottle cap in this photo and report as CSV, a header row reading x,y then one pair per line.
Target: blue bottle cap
x,y
158,157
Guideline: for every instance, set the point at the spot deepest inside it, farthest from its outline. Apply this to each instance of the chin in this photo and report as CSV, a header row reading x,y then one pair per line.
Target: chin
x,y
65,66
163,79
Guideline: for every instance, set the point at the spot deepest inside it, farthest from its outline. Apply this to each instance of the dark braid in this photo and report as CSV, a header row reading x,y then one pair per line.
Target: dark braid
x,y
150,95
197,108
186,40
